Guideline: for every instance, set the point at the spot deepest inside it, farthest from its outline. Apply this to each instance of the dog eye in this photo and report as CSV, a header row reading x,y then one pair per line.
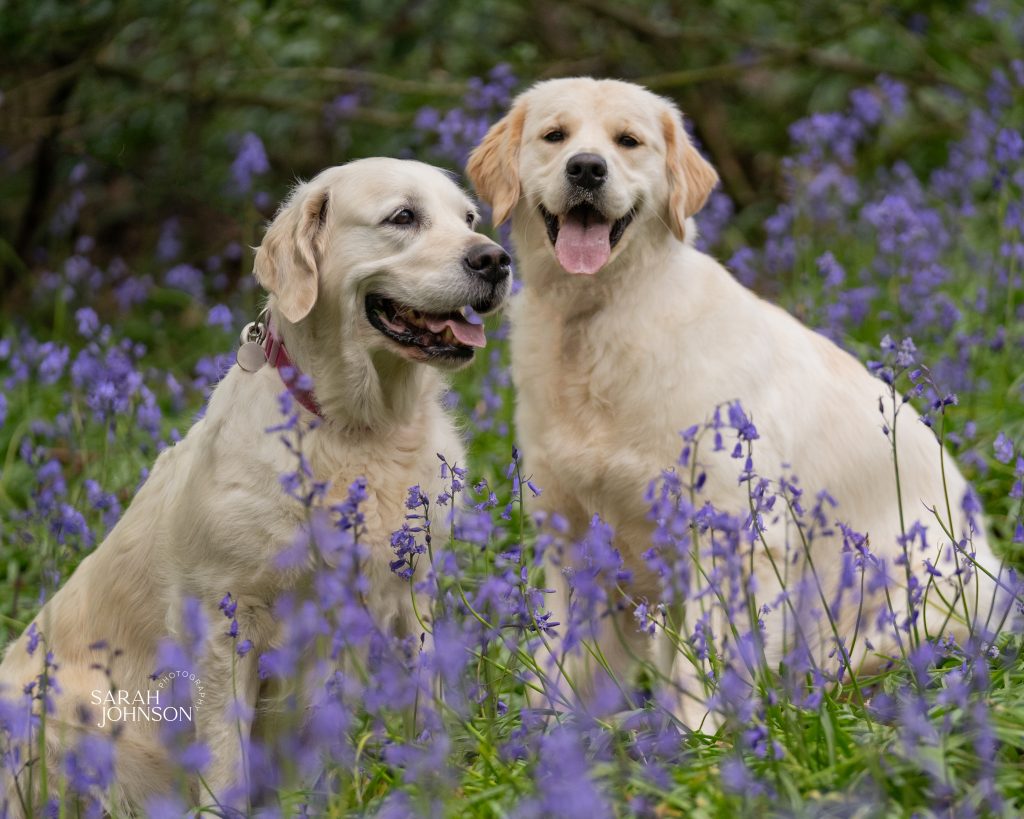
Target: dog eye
x,y
405,216
554,136
471,219
627,141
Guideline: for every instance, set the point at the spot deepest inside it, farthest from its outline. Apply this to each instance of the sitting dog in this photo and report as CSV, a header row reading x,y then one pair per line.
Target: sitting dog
x,y
625,334
369,268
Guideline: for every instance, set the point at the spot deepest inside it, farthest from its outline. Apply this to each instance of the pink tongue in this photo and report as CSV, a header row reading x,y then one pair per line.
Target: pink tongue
x,y
583,248
471,334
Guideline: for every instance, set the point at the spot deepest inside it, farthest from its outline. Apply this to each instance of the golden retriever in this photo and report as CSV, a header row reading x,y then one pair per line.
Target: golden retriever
x,y
369,267
625,334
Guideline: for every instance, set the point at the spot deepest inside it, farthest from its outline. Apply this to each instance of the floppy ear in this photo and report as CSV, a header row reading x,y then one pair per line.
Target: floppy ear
x,y
691,177
493,166
288,260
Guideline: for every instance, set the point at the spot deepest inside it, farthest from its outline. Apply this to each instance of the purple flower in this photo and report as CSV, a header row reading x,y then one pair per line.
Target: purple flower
x,y
104,502
822,136
69,527
33,638
88,322
1009,149
53,358
109,379
737,779
744,264
738,420
220,316
831,271
186,277
211,369
228,605
341,107
1003,448
132,291
459,129
866,106
195,758
645,622
564,780
713,219
415,499
91,764
251,160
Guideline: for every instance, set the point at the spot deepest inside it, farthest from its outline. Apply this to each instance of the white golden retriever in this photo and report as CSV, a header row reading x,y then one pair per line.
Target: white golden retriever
x,y
369,267
625,334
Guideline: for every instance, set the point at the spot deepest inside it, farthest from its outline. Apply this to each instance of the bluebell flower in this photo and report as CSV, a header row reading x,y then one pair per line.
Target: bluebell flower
x,y
250,161
90,764
194,758
1003,448
459,129
33,638
210,369
68,525
339,108
415,498
713,218
53,358
132,291
737,779
1009,147
87,320
104,502
220,316
186,277
564,781
228,605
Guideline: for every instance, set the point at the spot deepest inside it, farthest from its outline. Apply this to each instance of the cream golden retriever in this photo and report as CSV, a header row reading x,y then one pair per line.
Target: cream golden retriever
x,y
625,334
369,266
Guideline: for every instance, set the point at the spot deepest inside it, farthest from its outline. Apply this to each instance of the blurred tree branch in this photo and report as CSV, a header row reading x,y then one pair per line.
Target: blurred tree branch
x,y
710,73
372,116
782,54
355,77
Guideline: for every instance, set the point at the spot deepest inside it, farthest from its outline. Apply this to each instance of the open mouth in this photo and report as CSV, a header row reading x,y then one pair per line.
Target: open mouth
x,y
583,237
427,335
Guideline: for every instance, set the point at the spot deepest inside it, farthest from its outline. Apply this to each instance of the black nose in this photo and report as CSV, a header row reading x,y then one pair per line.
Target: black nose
x,y
586,170
489,262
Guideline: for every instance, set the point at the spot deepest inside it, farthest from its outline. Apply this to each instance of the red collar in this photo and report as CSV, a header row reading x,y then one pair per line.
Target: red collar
x,y
277,357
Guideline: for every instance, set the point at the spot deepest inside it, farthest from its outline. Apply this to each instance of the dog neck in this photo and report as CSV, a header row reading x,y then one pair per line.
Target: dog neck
x,y
358,392
291,375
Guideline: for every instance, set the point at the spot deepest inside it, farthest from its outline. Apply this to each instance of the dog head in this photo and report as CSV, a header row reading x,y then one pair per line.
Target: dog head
x,y
592,159
383,255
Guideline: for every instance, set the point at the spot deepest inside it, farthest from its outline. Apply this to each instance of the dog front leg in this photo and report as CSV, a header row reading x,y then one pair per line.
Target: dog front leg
x,y
224,724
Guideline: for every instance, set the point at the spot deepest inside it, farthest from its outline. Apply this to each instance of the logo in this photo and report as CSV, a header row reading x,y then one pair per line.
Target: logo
x,y
120,705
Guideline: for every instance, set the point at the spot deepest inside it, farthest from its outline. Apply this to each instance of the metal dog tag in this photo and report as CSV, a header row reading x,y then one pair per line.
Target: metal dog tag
x,y
250,355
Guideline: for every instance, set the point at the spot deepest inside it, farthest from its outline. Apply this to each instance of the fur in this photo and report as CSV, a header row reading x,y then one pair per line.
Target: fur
x,y
212,516
610,367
